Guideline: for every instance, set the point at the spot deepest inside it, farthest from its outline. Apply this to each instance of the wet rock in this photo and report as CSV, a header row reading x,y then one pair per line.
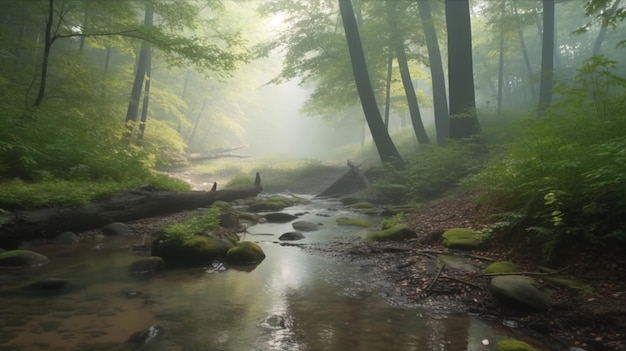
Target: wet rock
x,y
21,259
461,239
291,236
49,284
216,267
362,205
147,265
519,292
264,205
513,345
396,233
279,217
245,252
197,250
229,219
67,238
115,228
141,338
274,322
305,226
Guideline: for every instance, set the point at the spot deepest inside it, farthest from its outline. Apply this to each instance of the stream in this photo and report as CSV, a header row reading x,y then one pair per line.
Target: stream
x,y
293,300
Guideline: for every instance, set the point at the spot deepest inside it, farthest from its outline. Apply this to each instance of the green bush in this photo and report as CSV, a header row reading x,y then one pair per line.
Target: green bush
x,y
566,171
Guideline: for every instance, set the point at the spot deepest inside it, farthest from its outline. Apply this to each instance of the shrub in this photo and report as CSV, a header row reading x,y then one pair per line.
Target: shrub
x,y
196,224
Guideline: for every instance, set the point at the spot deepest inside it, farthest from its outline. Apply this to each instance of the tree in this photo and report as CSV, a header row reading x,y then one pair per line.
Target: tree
x,y
547,56
463,119
386,149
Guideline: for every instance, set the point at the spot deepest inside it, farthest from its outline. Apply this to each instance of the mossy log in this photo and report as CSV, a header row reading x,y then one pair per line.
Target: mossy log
x,y
128,206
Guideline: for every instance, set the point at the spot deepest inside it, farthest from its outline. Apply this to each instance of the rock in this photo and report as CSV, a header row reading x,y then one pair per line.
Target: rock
x,y
513,345
229,219
48,284
115,228
519,292
291,236
195,251
362,205
21,259
245,252
461,239
141,338
354,222
279,217
396,233
267,205
273,322
67,238
500,267
147,265
305,226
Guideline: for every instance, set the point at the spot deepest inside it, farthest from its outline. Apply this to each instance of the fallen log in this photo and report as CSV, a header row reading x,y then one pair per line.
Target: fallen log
x,y
128,206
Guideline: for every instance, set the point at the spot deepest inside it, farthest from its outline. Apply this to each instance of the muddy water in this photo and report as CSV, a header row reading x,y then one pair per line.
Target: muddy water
x,y
291,301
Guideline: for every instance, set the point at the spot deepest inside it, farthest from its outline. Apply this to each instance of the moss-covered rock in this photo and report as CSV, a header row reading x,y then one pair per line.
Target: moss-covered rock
x,y
519,292
195,251
396,233
500,267
513,345
305,226
362,205
462,239
279,217
22,259
358,222
245,252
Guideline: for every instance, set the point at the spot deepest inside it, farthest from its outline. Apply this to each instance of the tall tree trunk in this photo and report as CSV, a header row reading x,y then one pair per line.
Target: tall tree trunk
x,y
142,64
547,57
501,61
520,34
463,120
195,125
81,44
438,80
405,74
146,98
388,90
48,41
386,149
600,38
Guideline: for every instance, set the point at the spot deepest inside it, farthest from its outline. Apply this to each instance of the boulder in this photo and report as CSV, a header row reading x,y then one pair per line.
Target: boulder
x,y
461,239
513,345
398,232
197,250
291,236
115,228
305,226
21,259
519,292
500,267
245,252
229,219
147,265
279,217
66,238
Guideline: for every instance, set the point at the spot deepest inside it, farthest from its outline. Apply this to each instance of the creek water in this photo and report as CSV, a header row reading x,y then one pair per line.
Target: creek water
x,y
293,300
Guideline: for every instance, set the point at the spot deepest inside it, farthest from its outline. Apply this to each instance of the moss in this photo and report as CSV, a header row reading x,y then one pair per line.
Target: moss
x,y
354,222
22,258
245,252
501,267
396,233
513,345
202,246
462,239
363,205
568,283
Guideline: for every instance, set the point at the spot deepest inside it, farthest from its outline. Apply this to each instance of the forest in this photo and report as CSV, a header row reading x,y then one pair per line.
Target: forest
x,y
521,103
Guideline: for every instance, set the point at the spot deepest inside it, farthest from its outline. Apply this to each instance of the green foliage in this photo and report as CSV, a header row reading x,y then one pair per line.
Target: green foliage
x,y
566,172
196,224
392,221
239,180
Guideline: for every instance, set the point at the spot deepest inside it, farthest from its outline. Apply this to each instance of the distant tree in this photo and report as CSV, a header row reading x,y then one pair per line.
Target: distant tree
x,y
547,57
386,149
463,119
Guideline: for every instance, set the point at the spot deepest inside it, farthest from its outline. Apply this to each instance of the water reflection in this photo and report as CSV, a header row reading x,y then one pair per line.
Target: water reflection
x,y
292,301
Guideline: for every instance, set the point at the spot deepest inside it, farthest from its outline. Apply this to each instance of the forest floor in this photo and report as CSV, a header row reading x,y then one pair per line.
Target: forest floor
x,y
591,319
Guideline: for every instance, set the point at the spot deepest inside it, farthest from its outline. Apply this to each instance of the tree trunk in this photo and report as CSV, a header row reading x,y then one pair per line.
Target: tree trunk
x,y
129,206
140,72
405,74
48,40
440,99
501,61
463,120
600,38
386,149
388,90
520,34
547,57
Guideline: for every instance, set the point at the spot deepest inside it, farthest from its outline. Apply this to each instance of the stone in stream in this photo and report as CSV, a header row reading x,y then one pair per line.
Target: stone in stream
x,y
115,228
519,292
16,260
279,217
245,252
141,338
305,226
66,238
291,236
147,265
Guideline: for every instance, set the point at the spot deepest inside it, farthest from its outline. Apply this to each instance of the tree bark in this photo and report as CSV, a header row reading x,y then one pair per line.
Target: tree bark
x,y
385,146
142,62
48,41
146,97
440,99
501,61
463,120
388,90
520,34
129,206
547,57
600,38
